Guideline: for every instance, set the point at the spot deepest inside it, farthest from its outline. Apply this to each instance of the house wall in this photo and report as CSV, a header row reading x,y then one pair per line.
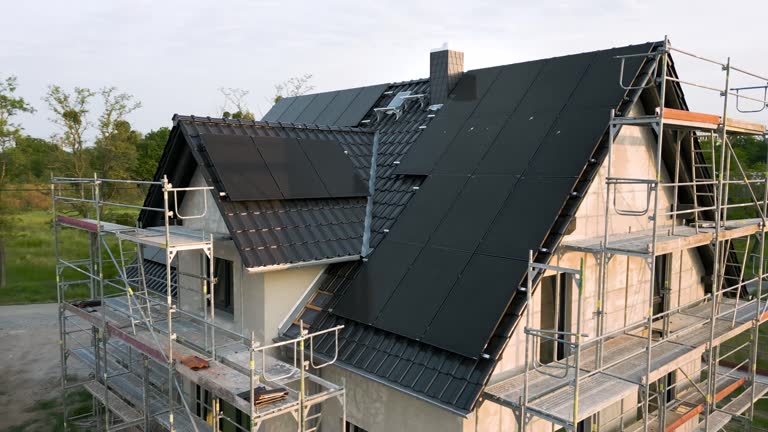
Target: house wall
x,y
261,300
194,203
376,407
628,278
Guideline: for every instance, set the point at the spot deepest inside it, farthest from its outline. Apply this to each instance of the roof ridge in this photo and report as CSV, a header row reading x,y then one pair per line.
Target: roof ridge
x,y
260,123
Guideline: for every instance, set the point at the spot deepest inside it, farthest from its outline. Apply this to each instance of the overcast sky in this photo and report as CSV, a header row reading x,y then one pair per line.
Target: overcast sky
x,y
173,56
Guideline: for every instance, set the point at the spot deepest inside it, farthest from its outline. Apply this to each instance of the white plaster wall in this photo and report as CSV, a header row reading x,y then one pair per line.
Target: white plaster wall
x,y
194,203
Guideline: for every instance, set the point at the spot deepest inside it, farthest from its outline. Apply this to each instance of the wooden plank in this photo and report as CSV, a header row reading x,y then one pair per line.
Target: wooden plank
x,y
698,409
689,116
745,126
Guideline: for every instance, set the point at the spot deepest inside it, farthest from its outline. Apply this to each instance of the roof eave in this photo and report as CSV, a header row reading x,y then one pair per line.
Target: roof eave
x,y
278,267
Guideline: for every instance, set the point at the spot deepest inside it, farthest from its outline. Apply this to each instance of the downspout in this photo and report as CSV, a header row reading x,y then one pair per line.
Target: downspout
x,y
366,249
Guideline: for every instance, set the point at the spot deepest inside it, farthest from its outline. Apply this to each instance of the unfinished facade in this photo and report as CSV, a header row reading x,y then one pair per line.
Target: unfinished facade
x,y
535,246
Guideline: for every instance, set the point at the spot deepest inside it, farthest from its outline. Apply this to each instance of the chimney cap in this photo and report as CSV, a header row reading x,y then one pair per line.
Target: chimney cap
x,y
444,47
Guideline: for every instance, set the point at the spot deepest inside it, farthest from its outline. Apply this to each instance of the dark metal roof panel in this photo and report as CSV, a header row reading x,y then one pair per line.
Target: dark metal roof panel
x,y
298,106
278,109
360,105
337,107
315,108
286,231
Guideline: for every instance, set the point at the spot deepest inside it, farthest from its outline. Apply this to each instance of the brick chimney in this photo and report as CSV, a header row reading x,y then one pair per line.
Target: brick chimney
x,y
445,68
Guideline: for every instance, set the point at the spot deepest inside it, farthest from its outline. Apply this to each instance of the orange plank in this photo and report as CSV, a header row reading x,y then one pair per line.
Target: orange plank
x,y
696,411
688,116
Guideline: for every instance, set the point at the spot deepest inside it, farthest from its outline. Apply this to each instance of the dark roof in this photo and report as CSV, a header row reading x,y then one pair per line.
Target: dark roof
x,y
270,232
290,231
506,162
339,108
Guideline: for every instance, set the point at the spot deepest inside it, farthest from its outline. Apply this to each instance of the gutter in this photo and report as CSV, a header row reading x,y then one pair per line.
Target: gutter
x,y
277,267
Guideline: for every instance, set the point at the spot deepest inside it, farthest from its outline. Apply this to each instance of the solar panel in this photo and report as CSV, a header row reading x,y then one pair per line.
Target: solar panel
x,y
297,107
379,277
339,176
470,144
360,106
466,320
599,87
290,168
556,82
516,143
333,112
422,157
313,110
473,212
241,168
567,147
526,217
427,208
278,109
421,292
509,88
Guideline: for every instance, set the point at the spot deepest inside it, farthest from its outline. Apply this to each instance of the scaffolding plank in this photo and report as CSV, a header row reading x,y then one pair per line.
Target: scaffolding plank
x,y
118,406
596,393
626,359
684,237
710,122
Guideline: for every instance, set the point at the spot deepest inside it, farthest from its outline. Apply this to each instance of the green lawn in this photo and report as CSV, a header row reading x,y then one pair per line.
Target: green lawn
x,y
31,261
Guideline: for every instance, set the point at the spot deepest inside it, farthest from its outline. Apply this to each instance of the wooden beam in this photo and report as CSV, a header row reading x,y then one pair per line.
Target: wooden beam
x,y
699,408
688,116
78,223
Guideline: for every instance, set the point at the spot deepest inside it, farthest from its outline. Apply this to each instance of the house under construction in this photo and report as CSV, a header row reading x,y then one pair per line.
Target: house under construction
x,y
556,244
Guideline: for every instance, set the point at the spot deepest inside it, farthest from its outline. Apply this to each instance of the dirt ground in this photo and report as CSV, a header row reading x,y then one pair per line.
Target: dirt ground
x,y
29,361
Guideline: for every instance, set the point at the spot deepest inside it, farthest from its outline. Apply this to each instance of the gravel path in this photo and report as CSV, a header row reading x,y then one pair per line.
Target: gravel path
x,y
29,360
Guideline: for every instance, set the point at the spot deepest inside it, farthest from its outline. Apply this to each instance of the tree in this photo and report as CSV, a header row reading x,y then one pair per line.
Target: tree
x,y
10,106
295,86
115,154
31,160
71,116
235,105
149,150
115,146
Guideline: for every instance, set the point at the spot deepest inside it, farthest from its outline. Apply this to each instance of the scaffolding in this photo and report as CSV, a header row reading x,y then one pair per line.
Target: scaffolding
x,y
148,361
635,363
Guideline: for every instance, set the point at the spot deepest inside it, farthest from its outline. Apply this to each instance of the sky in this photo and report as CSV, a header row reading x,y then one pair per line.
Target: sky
x,y
174,56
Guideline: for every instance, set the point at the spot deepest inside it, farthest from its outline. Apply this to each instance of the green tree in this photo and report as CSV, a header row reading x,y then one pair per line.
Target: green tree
x,y
10,106
32,160
10,131
71,116
150,149
115,154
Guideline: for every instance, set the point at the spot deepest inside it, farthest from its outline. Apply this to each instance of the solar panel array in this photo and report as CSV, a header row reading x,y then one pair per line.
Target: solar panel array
x,y
272,168
501,157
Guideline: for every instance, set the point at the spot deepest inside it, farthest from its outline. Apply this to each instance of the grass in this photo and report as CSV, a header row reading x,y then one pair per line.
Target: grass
x,y
49,415
31,262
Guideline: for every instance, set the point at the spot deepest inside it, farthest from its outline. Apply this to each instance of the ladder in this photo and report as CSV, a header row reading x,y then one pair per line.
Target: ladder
x,y
139,283
703,189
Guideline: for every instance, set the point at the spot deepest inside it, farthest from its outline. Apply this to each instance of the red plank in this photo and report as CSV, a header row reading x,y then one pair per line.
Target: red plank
x,y
78,223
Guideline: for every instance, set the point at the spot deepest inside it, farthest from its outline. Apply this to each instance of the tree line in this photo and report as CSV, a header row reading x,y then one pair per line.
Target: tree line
x,y
117,151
